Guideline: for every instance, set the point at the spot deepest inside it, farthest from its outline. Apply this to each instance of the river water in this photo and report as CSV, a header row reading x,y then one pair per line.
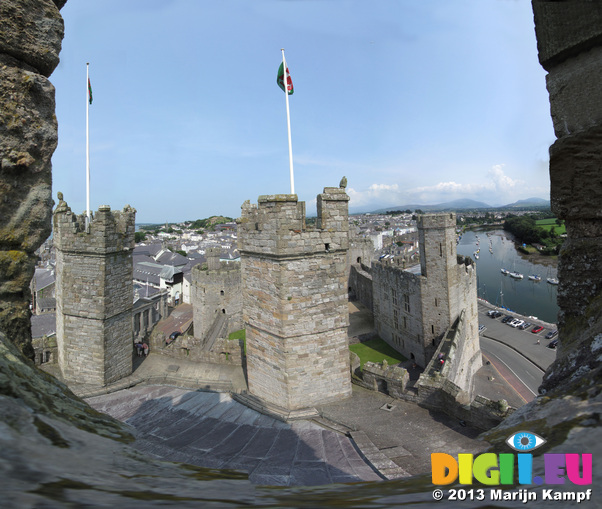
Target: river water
x,y
529,298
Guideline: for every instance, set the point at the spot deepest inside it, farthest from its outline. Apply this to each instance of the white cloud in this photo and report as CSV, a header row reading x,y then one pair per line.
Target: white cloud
x,y
377,195
496,186
502,182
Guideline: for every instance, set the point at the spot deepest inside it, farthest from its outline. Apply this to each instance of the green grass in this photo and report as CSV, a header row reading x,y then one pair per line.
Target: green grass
x,y
240,334
547,224
376,350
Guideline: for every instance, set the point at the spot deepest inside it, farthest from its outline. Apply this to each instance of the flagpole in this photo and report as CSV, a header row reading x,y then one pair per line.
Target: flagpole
x,y
87,145
288,123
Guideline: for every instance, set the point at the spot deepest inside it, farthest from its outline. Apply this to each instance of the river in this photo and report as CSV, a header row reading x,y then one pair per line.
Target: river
x,y
523,296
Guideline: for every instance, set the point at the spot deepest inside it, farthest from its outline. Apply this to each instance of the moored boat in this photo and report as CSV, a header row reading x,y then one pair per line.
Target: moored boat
x,y
505,272
516,275
552,280
535,277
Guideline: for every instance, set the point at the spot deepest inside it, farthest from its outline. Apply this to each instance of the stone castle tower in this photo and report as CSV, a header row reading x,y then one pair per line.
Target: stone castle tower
x,y
94,294
294,284
216,295
438,263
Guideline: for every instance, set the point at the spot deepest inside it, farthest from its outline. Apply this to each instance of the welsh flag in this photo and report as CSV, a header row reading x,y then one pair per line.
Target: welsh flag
x,y
89,91
280,80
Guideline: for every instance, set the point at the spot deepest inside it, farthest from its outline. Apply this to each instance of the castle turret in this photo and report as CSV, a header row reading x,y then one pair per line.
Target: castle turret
x,y
294,283
94,293
216,295
438,261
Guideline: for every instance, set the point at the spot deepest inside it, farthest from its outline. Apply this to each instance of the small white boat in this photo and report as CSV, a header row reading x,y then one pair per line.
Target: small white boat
x,y
552,280
505,272
535,277
516,275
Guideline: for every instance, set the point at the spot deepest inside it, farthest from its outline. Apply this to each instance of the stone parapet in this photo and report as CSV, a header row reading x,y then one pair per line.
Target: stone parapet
x,y
275,227
436,221
565,29
108,231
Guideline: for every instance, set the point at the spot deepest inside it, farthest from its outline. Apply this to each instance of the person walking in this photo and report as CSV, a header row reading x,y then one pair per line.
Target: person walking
x,y
138,346
145,348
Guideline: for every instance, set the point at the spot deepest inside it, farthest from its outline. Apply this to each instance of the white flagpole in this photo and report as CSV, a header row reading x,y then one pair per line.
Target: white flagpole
x,y
288,123
87,146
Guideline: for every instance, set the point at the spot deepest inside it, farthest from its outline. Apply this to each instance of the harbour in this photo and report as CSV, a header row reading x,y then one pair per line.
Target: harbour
x,y
523,288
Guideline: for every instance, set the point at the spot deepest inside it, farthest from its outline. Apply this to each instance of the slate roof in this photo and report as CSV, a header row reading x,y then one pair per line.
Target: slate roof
x,y
43,325
145,269
43,278
47,303
166,257
169,271
145,290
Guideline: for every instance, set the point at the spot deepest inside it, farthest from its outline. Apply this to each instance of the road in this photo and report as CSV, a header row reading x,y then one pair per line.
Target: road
x,y
515,353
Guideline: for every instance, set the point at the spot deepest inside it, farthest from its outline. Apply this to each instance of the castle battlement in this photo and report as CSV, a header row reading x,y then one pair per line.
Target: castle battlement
x,y
432,221
276,225
108,232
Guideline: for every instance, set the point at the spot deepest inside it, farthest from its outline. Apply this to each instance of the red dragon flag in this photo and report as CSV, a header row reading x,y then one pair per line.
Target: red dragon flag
x,y
89,91
280,80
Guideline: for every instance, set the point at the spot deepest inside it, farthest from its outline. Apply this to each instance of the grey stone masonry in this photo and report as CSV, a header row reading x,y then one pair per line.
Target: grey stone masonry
x,y
414,309
94,294
216,290
294,286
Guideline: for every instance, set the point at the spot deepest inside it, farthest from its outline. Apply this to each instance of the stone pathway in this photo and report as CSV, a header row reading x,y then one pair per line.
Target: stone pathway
x,y
211,430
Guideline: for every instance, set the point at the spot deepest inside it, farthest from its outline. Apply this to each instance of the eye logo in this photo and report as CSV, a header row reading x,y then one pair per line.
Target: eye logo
x,y
525,441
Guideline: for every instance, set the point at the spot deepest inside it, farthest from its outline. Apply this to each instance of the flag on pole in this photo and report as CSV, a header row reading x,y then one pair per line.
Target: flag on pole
x,y
89,91
280,80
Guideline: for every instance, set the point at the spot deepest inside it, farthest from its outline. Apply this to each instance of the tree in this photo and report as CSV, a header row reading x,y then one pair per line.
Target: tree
x,y
139,237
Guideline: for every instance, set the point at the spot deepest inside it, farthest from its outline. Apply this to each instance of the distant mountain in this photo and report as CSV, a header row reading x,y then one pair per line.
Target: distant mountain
x,y
528,202
449,205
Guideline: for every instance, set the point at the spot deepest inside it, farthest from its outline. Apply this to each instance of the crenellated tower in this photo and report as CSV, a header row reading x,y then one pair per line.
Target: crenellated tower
x,y
94,293
294,284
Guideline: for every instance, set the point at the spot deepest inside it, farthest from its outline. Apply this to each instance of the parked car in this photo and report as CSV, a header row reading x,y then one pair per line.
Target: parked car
x,y
536,329
496,314
524,326
482,328
553,344
516,323
490,312
507,318
551,334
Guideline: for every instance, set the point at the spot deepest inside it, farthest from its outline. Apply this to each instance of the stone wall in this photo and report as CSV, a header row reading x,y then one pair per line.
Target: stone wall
x,y
398,311
569,40
294,286
31,34
94,294
360,285
190,348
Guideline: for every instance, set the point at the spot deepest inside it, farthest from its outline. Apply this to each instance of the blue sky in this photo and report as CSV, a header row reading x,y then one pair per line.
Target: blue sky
x,y
415,101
